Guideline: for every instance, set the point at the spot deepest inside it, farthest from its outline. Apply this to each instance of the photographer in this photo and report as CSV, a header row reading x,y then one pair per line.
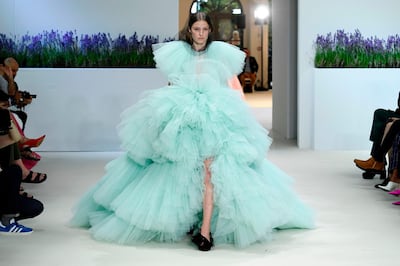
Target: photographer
x,y
14,206
18,99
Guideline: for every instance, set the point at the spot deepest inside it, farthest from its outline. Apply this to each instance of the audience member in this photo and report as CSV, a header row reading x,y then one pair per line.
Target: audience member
x,y
248,76
14,205
235,40
377,162
380,119
11,96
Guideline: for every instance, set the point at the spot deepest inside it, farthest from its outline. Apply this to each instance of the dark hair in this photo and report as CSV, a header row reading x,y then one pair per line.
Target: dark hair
x,y
193,18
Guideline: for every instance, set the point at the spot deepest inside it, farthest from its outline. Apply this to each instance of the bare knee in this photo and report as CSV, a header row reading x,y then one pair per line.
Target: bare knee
x,y
207,172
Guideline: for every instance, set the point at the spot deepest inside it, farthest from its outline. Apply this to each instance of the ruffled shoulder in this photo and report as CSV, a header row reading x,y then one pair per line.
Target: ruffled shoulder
x,y
231,56
170,56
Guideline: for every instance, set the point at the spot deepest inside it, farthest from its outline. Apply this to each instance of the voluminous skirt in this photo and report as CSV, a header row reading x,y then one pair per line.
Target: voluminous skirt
x,y
154,191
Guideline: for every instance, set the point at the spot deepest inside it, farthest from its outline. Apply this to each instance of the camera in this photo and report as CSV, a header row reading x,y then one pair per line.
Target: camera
x,y
22,99
27,95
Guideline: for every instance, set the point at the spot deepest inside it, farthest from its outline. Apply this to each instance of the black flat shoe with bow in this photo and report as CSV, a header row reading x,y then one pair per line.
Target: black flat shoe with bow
x,y
202,243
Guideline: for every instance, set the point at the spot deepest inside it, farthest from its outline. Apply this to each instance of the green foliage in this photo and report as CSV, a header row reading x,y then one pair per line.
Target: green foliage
x,y
53,49
352,50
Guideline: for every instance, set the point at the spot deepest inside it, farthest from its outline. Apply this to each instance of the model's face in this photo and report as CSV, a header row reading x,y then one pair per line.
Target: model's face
x,y
200,30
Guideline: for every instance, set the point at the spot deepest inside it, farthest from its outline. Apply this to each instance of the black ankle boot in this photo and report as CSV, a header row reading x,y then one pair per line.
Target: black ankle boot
x,y
202,243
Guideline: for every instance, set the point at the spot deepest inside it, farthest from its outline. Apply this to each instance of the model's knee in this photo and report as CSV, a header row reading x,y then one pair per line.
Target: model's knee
x,y
207,171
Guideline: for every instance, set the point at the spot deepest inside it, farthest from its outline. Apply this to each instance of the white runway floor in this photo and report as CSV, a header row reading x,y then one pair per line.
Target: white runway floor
x,y
356,223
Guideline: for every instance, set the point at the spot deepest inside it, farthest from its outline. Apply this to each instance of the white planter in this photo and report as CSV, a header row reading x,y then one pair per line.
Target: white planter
x,y
79,109
344,102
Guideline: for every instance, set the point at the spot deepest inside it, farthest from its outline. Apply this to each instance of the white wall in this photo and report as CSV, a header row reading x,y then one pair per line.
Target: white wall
x,y
284,66
152,17
371,17
79,109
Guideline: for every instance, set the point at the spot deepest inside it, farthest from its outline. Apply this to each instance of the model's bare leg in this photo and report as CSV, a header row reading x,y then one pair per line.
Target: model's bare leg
x,y
203,239
207,201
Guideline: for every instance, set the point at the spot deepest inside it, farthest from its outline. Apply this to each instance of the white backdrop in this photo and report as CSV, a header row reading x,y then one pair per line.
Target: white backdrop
x,y
151,17
79,109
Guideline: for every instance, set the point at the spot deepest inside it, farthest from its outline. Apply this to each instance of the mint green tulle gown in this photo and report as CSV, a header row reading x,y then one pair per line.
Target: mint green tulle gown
x,y
154,190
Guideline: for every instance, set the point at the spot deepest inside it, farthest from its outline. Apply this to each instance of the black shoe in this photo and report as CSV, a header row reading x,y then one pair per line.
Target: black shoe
x,y
371,174
202,243
368,175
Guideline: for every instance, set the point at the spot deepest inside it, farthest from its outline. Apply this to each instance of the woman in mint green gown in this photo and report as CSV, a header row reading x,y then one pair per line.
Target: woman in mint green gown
x,y
194,159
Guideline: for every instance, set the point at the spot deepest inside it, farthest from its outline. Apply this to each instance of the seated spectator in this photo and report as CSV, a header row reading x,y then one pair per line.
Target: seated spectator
x,y
235,40
14,205
376,163
248,76
380,119
11,96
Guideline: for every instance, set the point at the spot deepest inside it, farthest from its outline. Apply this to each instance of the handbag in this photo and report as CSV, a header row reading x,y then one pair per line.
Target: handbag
x,y
14,132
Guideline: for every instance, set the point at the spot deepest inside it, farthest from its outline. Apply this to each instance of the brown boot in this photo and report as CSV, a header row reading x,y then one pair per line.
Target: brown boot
x,y
357,161
371,165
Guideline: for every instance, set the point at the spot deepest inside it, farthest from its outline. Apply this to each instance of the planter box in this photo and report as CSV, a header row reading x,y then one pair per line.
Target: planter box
x,y
79,109
344,102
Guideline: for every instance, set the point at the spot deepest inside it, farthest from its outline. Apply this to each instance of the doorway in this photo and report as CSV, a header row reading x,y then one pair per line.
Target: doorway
x,y
234,16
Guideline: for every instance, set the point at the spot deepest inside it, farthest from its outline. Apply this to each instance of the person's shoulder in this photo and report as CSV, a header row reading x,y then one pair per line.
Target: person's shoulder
x,y
230,55
222,45
224,48
170,44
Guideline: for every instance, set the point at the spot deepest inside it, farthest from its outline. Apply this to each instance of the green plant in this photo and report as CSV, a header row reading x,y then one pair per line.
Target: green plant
x,y
54,49
342,50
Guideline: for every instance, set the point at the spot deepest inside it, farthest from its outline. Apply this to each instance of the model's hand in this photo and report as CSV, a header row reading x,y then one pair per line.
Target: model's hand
x,y
8,73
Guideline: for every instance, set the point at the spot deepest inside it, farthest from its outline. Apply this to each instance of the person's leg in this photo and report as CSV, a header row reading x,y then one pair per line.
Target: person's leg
x,y
379,121
394,182
22,116
207,201
10,180
9,204
28,207
203,239
387,141
253,77
27,176
395,179
377,162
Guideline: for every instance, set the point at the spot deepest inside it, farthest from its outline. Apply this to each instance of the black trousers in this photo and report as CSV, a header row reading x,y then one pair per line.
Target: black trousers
x,y
11,202
379,121
381,150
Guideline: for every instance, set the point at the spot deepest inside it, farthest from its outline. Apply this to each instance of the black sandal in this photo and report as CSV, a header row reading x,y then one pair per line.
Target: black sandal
x,y
202,243
39,178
